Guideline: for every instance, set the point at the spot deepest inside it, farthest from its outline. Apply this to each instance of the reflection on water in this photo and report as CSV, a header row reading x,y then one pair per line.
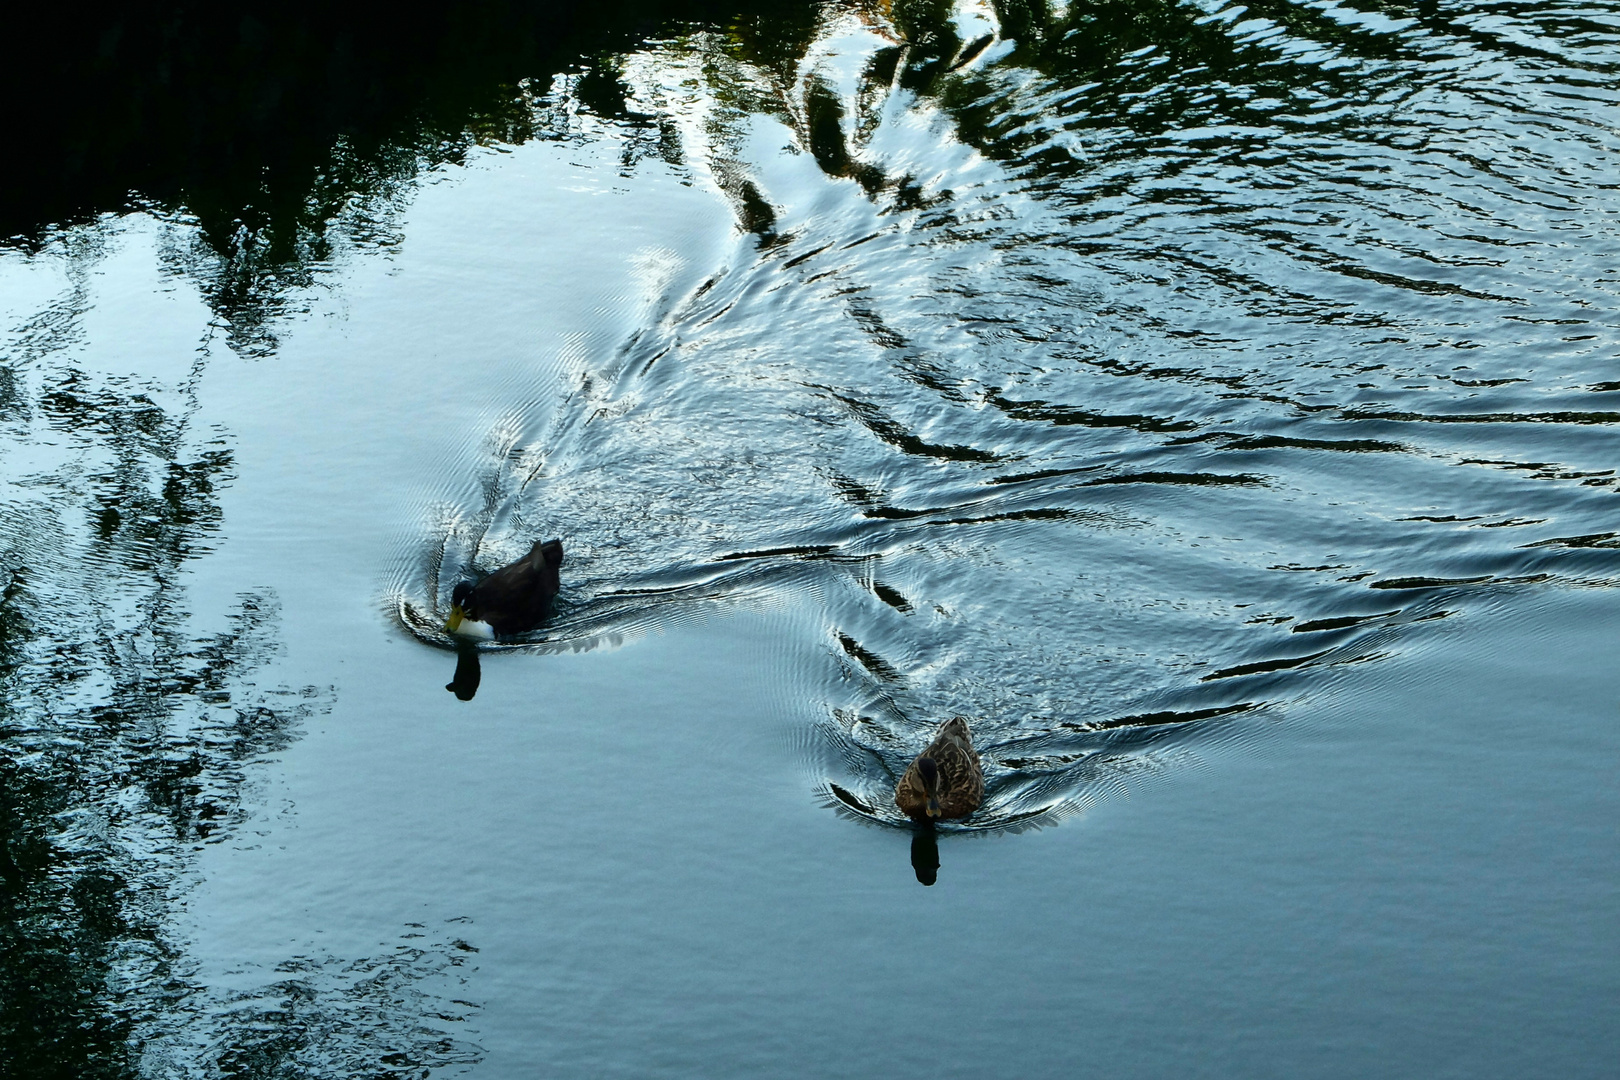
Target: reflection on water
x,y
468,673
1115,375
1104,382
925,853
128,739
278,136
400,1013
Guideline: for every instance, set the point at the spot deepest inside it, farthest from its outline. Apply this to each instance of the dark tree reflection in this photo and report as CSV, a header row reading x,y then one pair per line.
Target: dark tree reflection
x,y
267,124
281,134
125,738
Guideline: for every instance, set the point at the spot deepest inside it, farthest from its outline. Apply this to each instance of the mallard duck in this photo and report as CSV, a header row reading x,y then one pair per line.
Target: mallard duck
x,y
512,600
945,781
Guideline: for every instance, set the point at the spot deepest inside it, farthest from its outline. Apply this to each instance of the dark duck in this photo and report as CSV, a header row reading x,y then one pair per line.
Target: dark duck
x,y
945,781
513,600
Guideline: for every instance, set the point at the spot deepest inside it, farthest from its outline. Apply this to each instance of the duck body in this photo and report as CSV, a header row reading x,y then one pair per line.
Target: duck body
x,y
945,780
513,600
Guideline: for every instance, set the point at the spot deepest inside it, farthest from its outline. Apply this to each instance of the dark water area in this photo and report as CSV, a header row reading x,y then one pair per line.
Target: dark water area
x,y
1215,405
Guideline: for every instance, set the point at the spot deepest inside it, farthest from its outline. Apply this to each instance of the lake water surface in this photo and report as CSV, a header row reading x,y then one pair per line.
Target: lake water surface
x,y
1216,405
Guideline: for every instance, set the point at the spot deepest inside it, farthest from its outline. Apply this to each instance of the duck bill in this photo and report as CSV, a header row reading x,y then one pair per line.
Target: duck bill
x,y
930,785
453,623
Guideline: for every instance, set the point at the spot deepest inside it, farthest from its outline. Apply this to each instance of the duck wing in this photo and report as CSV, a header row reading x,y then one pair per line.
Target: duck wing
x,y
961,778
910,795
517,598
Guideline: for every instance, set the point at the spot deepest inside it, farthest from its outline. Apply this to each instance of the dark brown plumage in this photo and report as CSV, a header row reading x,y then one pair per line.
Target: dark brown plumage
x,y
950,766
515,598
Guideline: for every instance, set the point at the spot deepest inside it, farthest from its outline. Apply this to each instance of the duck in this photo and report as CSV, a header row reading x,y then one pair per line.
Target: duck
x,y
513,600
945,780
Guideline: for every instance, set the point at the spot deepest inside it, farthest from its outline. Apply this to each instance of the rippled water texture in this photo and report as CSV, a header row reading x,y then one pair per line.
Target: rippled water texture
x,y
1169,389
1100,400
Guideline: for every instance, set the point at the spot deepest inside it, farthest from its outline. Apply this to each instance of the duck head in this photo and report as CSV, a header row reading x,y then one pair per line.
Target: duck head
x,y
462,607
930,778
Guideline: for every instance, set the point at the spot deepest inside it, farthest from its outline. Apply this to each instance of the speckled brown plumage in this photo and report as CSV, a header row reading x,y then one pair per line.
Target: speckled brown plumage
x,y
961,780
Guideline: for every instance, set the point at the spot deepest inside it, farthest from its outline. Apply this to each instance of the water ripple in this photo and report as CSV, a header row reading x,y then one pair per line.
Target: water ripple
x,y
1104,385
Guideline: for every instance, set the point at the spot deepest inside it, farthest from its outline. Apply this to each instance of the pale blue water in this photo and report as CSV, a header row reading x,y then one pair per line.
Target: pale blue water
x,y
1226,428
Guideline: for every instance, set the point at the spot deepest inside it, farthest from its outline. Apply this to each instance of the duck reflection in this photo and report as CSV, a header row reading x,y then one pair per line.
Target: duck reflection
x,y
925,853
468,672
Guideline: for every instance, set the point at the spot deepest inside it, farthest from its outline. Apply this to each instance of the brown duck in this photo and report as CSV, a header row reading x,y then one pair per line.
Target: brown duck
x,y
945,781
512,600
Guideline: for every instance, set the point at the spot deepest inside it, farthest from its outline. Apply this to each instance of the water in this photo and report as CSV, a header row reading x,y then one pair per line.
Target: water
x,y
1214,405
